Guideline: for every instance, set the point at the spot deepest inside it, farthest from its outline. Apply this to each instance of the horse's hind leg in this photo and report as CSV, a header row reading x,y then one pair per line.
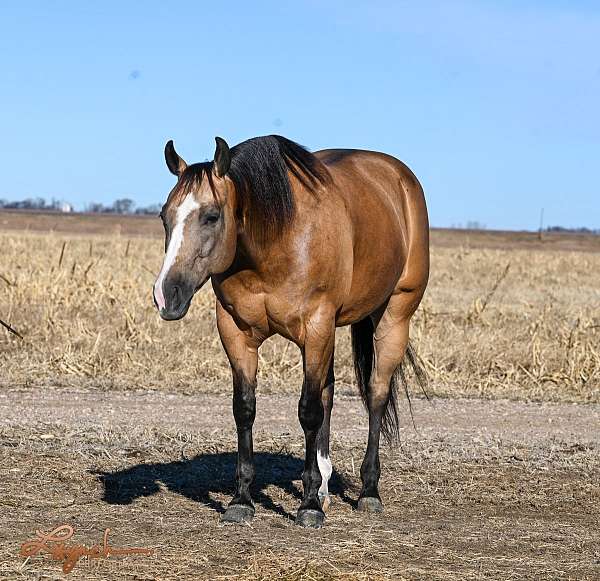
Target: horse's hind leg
x,y
390,340
323,459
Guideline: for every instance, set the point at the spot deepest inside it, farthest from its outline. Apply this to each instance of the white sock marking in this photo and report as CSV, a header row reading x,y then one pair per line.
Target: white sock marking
x,y
188,205
325,468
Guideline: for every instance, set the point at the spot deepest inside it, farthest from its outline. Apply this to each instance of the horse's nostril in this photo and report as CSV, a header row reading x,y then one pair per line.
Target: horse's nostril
x,y
176,295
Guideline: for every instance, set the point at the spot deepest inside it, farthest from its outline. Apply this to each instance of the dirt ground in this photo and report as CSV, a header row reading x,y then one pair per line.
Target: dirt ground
x,y
480,490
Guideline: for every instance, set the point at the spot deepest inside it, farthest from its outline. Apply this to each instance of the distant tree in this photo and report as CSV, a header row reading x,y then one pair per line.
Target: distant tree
x,y
152,209
95,208
582,230
123,206
56,205
475,225
39,204
30,204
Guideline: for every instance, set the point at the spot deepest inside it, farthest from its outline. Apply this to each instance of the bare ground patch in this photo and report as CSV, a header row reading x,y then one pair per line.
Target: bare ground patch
x,y
482,489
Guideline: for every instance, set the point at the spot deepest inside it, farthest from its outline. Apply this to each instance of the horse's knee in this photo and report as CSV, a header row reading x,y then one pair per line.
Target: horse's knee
x,y
244,406
310,411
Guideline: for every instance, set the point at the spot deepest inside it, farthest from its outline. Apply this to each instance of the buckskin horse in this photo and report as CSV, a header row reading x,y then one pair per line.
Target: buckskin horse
x,y
297,244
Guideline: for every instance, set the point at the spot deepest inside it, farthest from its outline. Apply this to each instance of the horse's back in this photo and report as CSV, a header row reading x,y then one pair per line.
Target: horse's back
x,y
386,209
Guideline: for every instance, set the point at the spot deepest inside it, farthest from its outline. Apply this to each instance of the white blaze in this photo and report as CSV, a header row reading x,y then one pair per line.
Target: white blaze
x,y
325,468
188,205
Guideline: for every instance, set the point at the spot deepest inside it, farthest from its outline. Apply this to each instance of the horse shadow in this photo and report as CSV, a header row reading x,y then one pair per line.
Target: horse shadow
x,y
205,475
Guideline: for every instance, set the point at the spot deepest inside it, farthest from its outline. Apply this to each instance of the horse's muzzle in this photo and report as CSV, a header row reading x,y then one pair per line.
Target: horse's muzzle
x,y
178,297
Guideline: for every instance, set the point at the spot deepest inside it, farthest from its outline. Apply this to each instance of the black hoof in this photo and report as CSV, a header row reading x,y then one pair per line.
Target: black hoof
x,y
370,504
310,518
238,513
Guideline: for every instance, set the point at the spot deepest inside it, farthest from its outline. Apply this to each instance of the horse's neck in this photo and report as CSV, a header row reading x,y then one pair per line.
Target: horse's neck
x,y
253,262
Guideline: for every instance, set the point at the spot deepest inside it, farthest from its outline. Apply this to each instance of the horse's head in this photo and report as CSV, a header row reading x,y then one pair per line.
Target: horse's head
x,y
200,229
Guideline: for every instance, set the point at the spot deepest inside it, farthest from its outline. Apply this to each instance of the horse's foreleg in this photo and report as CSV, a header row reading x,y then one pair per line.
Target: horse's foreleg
x,y
242,351
317,356
323,459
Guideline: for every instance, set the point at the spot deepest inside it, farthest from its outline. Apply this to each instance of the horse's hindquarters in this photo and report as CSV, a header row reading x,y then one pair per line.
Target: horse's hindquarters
x,y
390,233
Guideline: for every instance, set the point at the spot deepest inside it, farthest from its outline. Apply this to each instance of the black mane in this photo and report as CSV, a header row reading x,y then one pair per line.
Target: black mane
x,y
259,170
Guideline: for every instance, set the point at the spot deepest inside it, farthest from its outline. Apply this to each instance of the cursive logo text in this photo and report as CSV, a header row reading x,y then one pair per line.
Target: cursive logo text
x,y
54,544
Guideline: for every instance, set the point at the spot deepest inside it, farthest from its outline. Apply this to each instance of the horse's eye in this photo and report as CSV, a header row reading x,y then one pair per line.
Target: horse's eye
x,y
211,217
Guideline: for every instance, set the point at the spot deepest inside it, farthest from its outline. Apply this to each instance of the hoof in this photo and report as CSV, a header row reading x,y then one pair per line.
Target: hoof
x,y
370,504
238,513
325,501
310,518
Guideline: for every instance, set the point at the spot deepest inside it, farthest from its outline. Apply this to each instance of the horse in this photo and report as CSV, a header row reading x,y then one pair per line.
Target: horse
x,y
297,244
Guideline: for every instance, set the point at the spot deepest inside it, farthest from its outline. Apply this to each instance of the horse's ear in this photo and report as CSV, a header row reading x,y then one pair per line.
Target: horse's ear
x,y
222,157
175,164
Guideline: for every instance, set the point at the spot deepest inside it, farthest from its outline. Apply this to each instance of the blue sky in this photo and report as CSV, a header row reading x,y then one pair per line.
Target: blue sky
x,y
494,105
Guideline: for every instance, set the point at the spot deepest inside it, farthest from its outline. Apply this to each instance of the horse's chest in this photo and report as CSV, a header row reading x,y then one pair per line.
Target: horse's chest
x,y
243,300
267,313
246,309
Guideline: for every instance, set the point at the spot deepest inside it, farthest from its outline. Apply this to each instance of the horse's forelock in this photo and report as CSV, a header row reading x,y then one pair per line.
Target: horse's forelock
x,y
190,181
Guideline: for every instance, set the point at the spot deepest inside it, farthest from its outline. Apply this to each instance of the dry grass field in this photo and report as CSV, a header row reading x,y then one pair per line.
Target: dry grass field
x,y
504,315
110,417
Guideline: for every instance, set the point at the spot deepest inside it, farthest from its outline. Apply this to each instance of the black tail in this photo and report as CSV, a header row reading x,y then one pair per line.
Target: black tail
x,y
362,347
